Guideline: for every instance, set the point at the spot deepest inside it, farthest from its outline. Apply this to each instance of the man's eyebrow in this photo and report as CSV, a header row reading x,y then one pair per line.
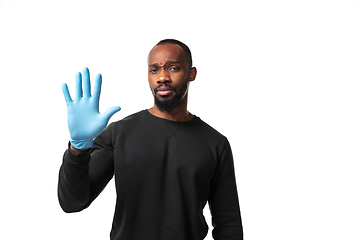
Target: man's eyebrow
x,y
167,62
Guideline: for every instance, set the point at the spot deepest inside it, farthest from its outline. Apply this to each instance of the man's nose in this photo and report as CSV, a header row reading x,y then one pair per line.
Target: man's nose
x,y
163,77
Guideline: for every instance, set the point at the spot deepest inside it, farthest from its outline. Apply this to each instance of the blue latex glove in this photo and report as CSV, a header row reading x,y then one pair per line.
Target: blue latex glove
x,y
84,120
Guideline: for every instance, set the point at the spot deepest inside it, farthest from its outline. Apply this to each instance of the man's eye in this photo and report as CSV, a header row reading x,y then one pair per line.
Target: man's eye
x,y
153,70
174,68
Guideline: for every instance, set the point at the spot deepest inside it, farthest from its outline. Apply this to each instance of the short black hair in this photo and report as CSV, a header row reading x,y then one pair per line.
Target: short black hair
x,y
181,44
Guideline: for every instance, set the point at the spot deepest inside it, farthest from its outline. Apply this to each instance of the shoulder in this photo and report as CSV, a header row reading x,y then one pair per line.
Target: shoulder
x,y
123,128
212,139
125,125
130,120
210,133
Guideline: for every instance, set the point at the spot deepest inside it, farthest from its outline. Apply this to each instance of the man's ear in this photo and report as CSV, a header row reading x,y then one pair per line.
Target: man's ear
x,y
192,74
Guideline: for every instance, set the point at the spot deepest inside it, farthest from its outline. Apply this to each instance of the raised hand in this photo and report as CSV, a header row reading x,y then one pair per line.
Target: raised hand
x,y
84,120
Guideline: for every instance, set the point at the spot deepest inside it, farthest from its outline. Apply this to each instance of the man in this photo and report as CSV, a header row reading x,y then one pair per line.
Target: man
x,y
167,162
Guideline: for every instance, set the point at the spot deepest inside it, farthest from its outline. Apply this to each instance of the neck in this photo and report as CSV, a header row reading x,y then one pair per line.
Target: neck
x,y
179,114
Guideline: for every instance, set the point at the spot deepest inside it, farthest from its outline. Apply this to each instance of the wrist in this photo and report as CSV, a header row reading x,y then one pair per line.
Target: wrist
x,y
77,151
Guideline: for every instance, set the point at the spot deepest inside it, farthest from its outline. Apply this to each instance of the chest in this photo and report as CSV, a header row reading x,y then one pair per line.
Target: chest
x,y
173,157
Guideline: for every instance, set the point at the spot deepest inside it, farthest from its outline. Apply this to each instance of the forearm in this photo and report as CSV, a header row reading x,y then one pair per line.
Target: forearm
x,y
224,201
74,188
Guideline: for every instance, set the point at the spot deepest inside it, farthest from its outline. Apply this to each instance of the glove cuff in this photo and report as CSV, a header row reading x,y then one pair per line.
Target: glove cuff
x,y
81,144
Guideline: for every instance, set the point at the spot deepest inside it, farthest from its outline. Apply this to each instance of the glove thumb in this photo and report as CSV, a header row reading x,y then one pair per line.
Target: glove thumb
x,y
110,112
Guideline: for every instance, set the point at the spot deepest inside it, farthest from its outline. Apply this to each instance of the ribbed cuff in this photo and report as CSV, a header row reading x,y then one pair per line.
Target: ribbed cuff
x,y
80,160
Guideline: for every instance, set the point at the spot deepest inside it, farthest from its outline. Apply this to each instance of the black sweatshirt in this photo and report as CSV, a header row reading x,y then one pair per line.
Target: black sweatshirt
x,y
165,172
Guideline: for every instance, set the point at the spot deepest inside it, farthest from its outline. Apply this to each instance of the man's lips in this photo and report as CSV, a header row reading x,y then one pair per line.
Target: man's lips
x,y
163,91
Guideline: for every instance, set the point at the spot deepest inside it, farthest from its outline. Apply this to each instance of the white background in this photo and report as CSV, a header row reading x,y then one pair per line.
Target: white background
x,y
279,78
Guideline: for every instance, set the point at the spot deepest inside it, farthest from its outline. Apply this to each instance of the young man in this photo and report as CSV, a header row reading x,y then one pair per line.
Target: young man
x,y
167,162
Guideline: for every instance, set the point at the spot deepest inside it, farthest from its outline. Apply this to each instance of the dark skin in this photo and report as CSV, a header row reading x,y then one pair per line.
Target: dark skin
x,y
167,66
169,70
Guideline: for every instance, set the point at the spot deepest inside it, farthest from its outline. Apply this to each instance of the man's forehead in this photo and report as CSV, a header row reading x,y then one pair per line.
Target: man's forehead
x,y
165,53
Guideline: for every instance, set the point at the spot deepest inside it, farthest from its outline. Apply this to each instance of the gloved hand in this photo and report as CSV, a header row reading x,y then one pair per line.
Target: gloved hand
x,y
84,120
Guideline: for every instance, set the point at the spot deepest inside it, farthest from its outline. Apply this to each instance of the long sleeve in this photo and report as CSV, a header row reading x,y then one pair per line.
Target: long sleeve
x,y
223,200
82,177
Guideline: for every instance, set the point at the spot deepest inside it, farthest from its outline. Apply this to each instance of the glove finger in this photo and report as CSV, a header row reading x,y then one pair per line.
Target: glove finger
x,y
97,87
86,82
78,86
111,111
66,93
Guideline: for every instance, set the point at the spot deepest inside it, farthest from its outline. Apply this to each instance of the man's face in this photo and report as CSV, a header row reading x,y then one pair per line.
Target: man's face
x,y
168,75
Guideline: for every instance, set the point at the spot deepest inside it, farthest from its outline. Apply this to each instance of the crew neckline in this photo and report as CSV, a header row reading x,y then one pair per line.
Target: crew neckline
x,y
195,118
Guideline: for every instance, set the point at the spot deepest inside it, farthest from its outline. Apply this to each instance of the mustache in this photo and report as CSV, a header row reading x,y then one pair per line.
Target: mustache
x,y
164,86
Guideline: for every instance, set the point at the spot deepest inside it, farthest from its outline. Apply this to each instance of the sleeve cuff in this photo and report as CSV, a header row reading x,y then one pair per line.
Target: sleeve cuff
x,y
80,159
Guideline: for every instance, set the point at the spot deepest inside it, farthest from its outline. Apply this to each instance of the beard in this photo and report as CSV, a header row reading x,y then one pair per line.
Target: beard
x,y
168,103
